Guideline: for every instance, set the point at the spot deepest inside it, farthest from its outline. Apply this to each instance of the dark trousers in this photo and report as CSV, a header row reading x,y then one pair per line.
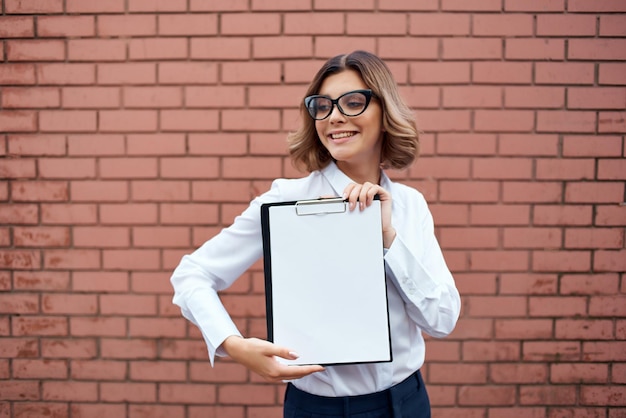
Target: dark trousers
x,y
407,399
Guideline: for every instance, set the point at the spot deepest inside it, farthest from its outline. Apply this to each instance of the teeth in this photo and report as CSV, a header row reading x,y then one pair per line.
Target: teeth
x,y
342,135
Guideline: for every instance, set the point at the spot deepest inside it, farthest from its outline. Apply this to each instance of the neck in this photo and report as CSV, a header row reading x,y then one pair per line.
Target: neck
x,y
361,174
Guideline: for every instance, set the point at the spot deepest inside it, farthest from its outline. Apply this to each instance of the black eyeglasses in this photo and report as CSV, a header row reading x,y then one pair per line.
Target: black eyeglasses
x,y
352,103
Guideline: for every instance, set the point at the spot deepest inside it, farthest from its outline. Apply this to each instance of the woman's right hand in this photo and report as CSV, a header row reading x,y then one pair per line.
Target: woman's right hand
x,y
259,356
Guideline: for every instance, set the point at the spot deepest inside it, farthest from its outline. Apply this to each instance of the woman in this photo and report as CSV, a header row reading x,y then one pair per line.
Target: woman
x,y
355,125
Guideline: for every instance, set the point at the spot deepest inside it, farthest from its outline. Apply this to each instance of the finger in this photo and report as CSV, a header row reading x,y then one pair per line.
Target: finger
x,y
364,199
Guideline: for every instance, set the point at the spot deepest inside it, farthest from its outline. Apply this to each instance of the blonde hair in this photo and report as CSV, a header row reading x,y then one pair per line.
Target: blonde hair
x,y
401,137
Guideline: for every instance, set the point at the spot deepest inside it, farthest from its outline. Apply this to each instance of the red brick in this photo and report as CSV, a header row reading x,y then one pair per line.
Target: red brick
x,y
126,25
152,97
561,261
346,5
604,351
17,74
66,74
18,121
611,122
221,49
596,98
441,168
465,144
67,121
69,304
593,238
71,259
486,395
161,237
189,167
110,6
97,327
85,410
41,280
609,260
578,373
524,329
36,145
217,5
96,49
35,50
189,120
381,23
66,26
19,391
457,373
566,25
532,238
607,306
159,371
128,392
41,236
502,25
57,214
499,261
471,5
127,304
472,96
159,191
611,73
566,121
128,214
97,191
157,48
439,72
127,120
579,329
329,46
39,326
70,391
451,214
597,49
534,49
504,120
39,409
251,72
562,215
463,191
320,23
564,73
583,192
157,6
250,24
491,351
19,214
151,282
618,373
464,238
501,168
99,281
190,393
33,6
610,215
496,306
128,168
612,169
468,48
442,24
547,395
20,259
565,169
592,146
401,5
44,97
91,97
188,214
39,191
595,284
551,351
19,303
58,168
39,369
603,395
101,237
130,259
186,349
159,411
534,97
507,373
155,144
544,6
531,192
68,348
127,73
194,24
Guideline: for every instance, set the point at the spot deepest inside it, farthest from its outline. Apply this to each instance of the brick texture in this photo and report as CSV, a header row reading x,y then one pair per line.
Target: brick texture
x,y
132,131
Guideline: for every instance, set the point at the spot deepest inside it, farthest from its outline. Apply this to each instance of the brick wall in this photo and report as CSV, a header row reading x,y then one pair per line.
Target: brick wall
x,y
133,130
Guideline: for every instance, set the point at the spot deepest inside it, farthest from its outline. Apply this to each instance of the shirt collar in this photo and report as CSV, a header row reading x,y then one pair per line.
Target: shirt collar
x,y
339,180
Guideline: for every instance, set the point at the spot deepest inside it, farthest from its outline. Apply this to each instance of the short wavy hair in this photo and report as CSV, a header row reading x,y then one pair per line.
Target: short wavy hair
x,y
401,138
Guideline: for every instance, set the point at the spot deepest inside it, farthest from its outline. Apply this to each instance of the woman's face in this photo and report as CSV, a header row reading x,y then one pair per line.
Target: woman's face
x,y
353,141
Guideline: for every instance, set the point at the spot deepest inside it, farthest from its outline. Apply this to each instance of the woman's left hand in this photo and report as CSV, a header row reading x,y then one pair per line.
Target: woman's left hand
x,y
363,196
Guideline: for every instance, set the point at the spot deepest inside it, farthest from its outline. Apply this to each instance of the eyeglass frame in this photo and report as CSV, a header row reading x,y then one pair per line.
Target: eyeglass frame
x,y
335,102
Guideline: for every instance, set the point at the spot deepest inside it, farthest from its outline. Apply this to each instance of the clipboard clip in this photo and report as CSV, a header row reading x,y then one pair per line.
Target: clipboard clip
x,y
321,206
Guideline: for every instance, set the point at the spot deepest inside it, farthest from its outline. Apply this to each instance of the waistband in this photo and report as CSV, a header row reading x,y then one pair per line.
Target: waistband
x,y
358,403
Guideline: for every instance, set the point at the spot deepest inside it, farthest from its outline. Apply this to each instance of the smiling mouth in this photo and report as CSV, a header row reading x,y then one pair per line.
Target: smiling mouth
x,y
342,135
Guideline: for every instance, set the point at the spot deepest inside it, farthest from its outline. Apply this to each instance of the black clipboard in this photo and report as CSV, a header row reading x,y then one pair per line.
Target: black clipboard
x,y
326,295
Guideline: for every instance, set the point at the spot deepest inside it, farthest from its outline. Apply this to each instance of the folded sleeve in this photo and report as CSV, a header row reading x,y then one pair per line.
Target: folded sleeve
x,y
415,264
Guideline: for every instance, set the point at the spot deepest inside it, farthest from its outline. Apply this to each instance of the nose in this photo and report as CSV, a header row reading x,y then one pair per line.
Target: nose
x,y
336,116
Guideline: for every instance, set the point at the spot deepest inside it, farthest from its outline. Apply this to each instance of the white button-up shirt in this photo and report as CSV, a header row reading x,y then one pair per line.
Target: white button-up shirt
x,y
420,289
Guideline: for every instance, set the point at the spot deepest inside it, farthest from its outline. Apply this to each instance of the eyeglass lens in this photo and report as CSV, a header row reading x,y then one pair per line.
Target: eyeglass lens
x,y
350,104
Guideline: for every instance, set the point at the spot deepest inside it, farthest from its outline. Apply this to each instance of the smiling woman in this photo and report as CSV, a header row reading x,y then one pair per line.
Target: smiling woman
x,y
355,125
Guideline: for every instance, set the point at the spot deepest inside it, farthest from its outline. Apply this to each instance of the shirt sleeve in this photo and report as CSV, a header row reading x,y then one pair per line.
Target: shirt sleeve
x,y
415,264
214,267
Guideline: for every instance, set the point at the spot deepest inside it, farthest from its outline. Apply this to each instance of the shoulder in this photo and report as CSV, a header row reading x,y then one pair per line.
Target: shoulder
x,y
285,189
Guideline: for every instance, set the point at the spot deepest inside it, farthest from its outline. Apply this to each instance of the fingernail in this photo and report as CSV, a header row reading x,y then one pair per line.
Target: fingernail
x,y
294,354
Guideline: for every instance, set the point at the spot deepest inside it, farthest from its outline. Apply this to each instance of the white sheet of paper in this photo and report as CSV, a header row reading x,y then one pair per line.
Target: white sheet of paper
x,y
329,300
